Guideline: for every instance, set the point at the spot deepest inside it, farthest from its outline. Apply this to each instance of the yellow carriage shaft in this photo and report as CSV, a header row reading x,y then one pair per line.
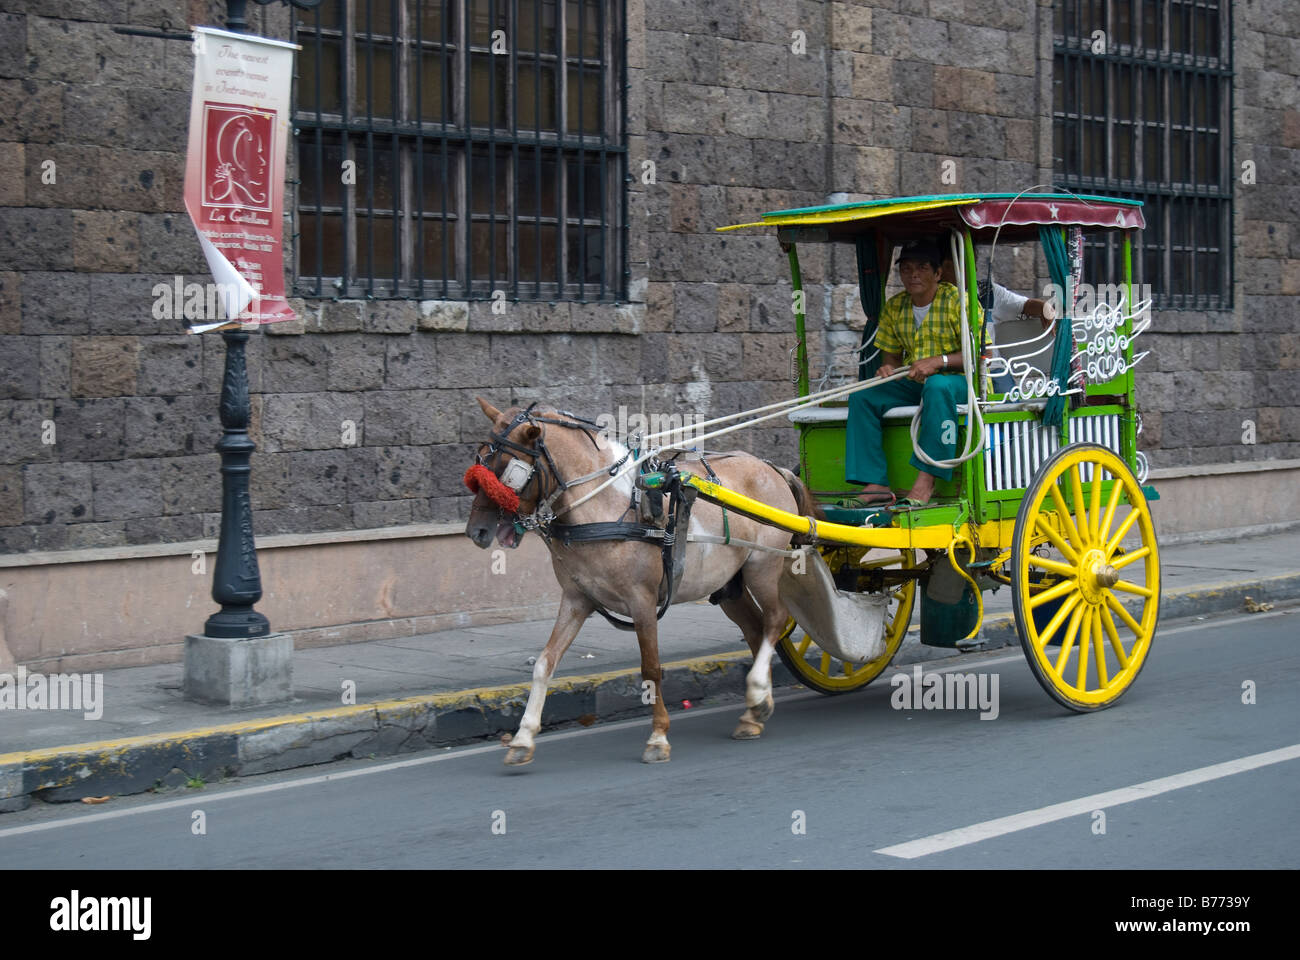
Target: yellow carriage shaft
x,y
996,533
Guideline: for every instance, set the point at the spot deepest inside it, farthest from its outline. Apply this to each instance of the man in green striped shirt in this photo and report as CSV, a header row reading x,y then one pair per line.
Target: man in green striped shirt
x,y
920,327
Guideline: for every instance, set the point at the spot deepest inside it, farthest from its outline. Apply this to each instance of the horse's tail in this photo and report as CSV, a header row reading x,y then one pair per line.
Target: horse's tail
x,y
803,497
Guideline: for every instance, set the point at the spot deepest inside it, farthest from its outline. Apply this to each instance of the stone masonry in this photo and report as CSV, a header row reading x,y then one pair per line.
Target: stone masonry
x,y
108,416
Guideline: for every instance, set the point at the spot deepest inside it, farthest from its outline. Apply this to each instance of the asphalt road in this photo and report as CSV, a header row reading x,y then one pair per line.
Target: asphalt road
x,y
866,778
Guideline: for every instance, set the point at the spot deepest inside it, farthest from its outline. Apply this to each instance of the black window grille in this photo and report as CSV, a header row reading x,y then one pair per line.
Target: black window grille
x,y
1142,109
485,141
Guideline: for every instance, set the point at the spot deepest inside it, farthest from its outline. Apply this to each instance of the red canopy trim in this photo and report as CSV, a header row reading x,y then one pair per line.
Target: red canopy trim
x,y
1065,211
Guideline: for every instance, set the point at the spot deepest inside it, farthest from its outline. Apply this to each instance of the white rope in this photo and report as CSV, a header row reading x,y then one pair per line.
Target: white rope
x,y
969,363
832,394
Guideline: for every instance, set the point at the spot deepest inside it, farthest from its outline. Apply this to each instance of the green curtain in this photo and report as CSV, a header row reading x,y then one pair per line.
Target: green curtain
x,y
871,288
1058,264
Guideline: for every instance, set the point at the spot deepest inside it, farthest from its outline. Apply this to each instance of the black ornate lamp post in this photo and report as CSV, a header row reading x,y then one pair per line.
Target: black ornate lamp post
x,y
237,581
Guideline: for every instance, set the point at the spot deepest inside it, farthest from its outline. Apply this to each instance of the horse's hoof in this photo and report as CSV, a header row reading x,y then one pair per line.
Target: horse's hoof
x,y
519,756
656,753
747,730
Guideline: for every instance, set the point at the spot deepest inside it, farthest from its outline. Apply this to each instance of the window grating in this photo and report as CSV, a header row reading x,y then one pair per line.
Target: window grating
x,y
485,140
1142,100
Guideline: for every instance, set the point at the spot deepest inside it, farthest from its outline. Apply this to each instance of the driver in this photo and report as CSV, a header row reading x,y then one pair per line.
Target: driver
x,y
920,327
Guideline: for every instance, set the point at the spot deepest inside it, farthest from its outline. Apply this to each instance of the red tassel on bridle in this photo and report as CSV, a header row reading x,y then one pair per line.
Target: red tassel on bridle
x,y
480,477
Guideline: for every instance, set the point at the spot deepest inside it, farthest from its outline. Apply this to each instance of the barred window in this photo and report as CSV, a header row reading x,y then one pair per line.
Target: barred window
x,y
1142,109
453,148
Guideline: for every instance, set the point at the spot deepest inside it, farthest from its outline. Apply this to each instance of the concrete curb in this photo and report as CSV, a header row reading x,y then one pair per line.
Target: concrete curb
x,y
138,764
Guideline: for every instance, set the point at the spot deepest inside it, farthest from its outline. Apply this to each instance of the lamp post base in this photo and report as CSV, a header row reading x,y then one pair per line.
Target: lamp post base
x,y
239,673
236,623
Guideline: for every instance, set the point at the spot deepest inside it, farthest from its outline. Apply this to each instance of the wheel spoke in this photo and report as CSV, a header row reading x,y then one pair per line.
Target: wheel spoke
x,y
1094,505
1133,588
1111,632
1076,488
1060,569
1081,677
803,647
826,664
1123,530
1103,531
848,669
1067,521
1047,596
1123,561
1099,653
1045,528
1123,614
1055,623
1070,633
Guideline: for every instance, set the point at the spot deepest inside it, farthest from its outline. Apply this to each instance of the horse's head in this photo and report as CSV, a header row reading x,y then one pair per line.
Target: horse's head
x,y
506,477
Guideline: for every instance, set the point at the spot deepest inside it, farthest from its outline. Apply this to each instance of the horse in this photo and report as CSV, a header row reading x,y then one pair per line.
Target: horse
x,y
545,456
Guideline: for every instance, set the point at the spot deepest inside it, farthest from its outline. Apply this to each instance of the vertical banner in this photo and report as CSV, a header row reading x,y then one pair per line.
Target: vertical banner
x,y
234,171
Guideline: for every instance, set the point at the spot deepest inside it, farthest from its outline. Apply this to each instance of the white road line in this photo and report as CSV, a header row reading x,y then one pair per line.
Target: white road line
x,y
952,839
458,753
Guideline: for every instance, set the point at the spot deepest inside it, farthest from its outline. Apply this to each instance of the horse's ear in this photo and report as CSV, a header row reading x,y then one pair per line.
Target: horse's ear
x,y
492,412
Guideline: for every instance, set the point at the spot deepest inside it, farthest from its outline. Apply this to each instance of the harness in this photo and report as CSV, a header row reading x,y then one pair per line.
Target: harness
x,y
517,476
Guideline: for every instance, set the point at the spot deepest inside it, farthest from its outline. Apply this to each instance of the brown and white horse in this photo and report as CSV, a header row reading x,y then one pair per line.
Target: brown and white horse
x,y
624,576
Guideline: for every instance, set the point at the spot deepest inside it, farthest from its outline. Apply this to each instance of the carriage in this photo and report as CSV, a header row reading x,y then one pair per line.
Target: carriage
x,y
1047,495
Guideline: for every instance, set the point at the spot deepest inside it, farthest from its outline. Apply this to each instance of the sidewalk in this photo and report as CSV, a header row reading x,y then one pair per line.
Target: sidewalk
x,y
449,687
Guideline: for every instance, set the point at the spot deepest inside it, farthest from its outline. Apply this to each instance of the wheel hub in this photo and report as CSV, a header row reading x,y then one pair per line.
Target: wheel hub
x,y
1095,576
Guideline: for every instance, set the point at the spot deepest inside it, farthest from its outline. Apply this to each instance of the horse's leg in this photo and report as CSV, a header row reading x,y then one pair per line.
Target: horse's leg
x,y
744,613
643,609
762,580
575,608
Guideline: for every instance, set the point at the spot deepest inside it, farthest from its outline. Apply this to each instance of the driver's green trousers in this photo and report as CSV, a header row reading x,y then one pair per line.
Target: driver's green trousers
x,y
864,456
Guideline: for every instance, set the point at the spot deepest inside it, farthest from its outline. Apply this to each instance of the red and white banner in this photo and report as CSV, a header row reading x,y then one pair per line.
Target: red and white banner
x,y
234,170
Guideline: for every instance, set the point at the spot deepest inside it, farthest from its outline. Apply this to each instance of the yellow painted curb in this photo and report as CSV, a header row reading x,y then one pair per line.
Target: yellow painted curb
x,y
479,694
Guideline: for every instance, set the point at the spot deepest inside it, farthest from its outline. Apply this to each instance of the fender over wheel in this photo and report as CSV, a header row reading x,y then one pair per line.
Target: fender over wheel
x,y
815,667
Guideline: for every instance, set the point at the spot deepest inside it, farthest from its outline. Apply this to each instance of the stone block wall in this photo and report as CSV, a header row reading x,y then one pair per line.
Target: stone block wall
x,y
363,411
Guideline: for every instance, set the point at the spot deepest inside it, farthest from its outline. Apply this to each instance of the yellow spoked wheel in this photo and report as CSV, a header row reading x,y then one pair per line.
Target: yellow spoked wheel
x,y
815,667
1085,577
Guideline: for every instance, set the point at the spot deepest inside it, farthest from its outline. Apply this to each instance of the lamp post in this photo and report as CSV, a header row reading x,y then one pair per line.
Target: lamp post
x,y
220,665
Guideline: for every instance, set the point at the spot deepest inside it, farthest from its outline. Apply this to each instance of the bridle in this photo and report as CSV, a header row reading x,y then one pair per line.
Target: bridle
x,y
517,475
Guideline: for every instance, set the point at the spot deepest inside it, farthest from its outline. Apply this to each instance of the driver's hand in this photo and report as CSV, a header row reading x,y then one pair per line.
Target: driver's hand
x,y
885,370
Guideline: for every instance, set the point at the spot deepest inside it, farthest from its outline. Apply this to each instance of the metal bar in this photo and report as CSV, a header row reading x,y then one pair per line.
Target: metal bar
x,y
582,159
623,162
445,108
320,174
492,149
537,150
397,156
604,166
503,139
418,83
467,157
512,180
